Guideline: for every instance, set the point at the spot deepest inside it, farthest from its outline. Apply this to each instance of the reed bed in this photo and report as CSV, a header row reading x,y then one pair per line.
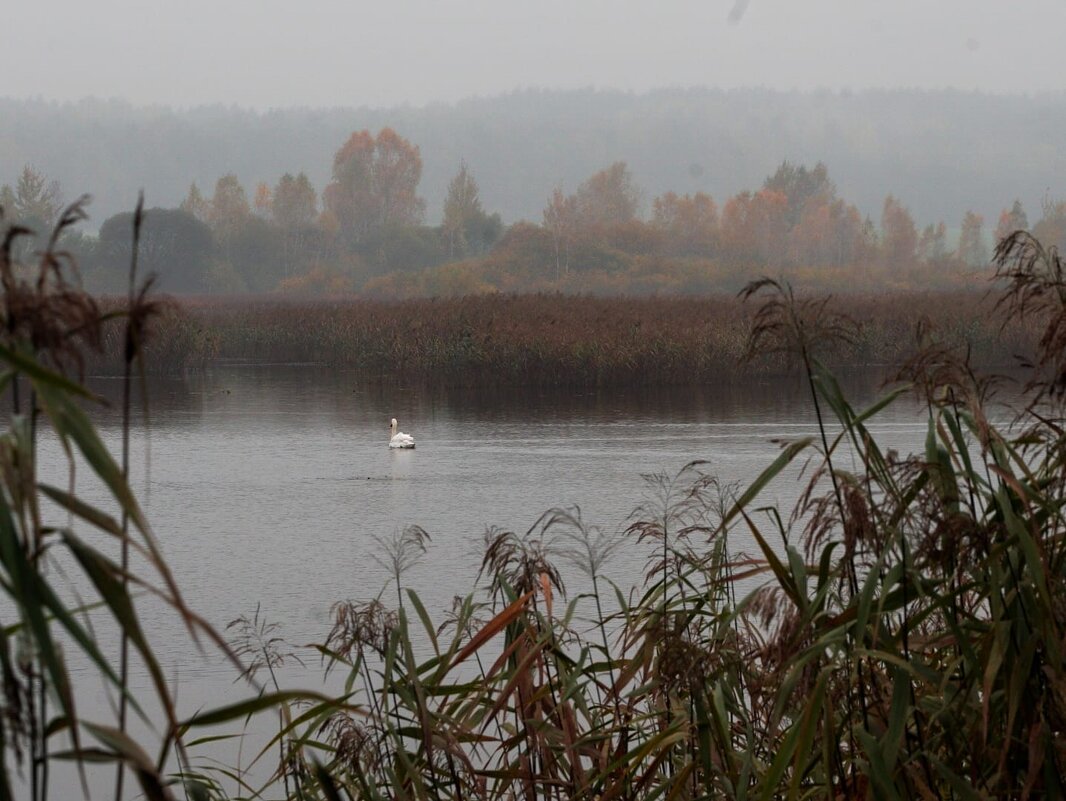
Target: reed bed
x,y
549,339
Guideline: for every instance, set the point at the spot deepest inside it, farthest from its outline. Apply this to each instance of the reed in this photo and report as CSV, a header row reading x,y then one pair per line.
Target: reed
x,y
53,541
550,339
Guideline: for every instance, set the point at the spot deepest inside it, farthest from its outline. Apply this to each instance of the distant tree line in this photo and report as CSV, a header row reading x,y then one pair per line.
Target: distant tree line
x,y
945,151
366,231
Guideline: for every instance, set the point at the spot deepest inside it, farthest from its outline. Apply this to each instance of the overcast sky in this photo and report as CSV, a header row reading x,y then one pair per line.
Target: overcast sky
x,y
266,53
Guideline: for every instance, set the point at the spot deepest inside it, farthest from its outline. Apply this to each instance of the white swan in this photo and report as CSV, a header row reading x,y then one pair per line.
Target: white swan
x,y
399,439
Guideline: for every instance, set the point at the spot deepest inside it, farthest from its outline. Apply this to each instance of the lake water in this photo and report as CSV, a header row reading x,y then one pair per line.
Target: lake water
x,y
265,485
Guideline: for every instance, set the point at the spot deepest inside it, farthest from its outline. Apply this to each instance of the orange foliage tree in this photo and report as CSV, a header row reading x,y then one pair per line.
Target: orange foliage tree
x,y
264,201
295,203
636,238
754,228
688,224
829,231
801,187
899,237
608,197
229,206
375,183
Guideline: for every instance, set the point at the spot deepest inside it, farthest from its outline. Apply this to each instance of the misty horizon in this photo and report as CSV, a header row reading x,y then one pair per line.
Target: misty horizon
x,y
267,55
942,152
674,89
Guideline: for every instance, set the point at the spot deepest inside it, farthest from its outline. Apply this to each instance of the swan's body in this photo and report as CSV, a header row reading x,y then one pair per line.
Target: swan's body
x,y
398,438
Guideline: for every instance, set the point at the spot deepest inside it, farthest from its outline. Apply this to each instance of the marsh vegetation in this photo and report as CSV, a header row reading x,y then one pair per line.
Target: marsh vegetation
x,y
551,340
904,639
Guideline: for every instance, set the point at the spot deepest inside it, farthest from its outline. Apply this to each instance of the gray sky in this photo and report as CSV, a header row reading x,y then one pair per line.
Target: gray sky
x,y
267,53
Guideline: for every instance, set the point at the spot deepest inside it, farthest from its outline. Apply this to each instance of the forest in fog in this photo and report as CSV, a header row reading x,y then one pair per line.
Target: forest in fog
x,y
669,192
944,151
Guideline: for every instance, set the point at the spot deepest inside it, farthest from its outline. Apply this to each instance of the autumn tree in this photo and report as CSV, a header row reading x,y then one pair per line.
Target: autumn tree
x,y
294,212
229,208
688,223
899,238
800,186
295,202
561,222
466,228
737,229
827,232
608,197
264,202
635,238
754,228
822,228
972,250
597,218
933,244
1011,220
375,180
196,204
870,243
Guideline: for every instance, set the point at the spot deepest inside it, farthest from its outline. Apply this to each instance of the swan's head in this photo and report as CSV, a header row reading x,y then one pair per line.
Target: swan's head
x,y
392,426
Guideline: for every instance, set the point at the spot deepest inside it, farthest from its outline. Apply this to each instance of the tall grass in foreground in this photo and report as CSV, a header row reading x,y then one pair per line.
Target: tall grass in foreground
x,y
65,565
905,640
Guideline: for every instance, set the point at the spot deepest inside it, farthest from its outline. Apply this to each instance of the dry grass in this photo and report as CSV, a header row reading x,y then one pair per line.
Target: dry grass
x,y
550,339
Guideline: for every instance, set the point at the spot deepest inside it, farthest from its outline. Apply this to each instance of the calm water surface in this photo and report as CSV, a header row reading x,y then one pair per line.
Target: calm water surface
x,y
266,485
